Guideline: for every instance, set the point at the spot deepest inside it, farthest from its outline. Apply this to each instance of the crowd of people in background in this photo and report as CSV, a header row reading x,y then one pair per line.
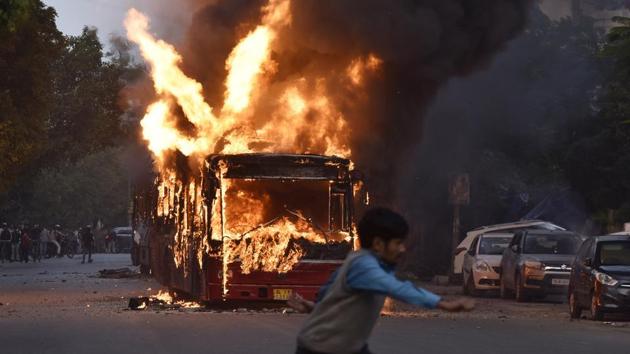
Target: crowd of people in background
x,y
21,243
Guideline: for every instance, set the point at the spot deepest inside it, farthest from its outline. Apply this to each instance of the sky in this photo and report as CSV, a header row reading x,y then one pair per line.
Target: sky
x,y
169,18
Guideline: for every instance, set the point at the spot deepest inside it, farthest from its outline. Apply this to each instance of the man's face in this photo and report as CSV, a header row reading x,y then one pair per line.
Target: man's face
x,y
390,252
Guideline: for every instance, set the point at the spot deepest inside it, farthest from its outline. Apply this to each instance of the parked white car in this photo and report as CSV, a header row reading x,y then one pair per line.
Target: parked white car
x,y
459,253
482,262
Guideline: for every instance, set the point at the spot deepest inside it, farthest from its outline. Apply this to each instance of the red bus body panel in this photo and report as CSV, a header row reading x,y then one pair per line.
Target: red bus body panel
x,y
305,279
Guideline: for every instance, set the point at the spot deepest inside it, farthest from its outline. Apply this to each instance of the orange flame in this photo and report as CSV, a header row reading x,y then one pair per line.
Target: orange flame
x,y
360,66
301,109
271,248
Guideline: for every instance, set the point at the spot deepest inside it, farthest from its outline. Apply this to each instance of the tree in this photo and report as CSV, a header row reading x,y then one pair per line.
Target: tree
x,y
94,187
14,12
598,162
86,115
29,42
508,127
80,119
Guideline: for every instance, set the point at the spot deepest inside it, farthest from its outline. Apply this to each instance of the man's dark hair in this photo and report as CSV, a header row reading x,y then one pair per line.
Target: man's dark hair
x,y
383,223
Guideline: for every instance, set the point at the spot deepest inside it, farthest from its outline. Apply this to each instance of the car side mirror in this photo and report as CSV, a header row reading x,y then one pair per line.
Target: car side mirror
x,y
458,250
588,262
514,248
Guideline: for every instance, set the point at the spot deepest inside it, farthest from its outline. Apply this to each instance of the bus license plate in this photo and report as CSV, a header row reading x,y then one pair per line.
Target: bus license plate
x,y
559,281
282,294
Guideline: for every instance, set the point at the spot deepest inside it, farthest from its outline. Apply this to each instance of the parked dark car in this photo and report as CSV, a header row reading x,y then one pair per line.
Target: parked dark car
x,y
123,238
537,263
600,280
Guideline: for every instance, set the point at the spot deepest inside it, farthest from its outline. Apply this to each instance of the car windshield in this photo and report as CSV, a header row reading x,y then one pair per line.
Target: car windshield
x,y
494,245
551,244
614,253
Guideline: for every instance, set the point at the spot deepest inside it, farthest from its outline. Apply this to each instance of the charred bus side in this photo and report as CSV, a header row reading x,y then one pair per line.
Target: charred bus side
x,y
248,226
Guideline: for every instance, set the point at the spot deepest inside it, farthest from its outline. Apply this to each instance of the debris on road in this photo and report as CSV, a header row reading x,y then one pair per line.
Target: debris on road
x,y
161,301
615,324
150,303
119,273
139,303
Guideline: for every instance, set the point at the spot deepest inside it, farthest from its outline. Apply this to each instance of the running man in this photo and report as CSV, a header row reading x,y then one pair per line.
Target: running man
x,y
350,303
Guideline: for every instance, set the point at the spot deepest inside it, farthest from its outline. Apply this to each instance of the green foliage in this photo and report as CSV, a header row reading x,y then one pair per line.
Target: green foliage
x,y
14,12
93,187
598,161
618,46
87,111
29,42
60,111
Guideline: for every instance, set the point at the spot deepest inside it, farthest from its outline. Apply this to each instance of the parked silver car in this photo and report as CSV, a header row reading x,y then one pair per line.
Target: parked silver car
x,y
538,263
458,260
482,262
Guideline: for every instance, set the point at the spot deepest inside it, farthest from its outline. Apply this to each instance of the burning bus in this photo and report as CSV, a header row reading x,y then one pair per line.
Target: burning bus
x,y
254,193
249,226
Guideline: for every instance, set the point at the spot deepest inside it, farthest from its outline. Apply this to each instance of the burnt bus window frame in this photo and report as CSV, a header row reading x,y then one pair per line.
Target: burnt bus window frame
x,y
287,167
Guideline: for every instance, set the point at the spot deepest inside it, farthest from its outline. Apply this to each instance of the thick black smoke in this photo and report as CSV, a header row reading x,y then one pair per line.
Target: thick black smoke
x,y
509,127
422,43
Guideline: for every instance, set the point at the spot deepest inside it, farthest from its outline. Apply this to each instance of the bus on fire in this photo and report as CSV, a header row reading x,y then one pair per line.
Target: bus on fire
x,y
247,226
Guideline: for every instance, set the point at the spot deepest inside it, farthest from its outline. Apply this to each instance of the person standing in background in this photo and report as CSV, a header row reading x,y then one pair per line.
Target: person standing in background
x,y
54,237
5,243
87,242
110,242
35,243
15,244
25,245
44,238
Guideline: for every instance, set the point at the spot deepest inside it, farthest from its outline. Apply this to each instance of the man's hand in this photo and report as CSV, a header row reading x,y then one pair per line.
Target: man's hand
x,y
458,305
299,304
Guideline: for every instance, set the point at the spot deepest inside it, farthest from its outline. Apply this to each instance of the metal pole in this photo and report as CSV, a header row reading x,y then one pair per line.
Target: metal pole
x,y
455,236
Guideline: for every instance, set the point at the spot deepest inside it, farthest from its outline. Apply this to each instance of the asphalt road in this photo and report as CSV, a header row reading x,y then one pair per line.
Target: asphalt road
x,y
59,307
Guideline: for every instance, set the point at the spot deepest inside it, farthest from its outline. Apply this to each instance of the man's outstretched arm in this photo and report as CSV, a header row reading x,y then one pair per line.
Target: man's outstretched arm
x,y
367,274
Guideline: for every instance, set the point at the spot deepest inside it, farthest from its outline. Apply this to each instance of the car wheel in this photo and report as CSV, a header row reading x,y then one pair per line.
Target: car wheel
x,y
520,289
574,308
596,311
465,288
470,286
503,290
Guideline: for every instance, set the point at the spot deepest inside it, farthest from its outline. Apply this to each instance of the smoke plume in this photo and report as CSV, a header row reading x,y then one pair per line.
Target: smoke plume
x,y
421,43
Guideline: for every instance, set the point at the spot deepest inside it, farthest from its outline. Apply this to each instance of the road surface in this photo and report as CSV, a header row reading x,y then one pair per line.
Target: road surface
x,y
59,306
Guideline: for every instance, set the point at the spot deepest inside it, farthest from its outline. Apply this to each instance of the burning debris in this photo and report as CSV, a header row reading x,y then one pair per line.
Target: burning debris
x,y
161,301
272,246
